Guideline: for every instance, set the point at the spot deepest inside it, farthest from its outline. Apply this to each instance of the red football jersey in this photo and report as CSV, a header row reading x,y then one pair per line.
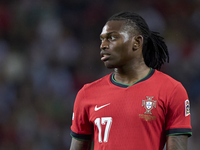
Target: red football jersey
x,y
139,116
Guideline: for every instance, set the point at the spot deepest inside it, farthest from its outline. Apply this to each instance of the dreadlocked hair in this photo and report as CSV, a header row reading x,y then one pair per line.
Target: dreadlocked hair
x,y
154,50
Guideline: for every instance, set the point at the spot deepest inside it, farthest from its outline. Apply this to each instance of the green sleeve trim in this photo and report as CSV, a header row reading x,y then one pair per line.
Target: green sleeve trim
x,y
186,133
179,131
80,139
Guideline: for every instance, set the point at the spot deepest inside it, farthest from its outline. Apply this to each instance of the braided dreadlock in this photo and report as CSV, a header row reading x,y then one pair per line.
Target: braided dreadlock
x,y
154,50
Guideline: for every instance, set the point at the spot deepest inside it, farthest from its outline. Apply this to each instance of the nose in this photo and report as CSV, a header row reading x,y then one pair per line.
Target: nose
x,y
104,45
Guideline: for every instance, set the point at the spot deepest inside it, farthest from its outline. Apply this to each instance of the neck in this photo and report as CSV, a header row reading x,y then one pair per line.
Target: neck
x,y
129,75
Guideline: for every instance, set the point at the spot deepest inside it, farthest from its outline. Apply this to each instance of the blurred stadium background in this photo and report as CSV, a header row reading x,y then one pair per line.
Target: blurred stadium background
x,y
50,48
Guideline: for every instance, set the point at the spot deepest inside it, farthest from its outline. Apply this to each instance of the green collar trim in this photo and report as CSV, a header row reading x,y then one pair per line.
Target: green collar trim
x,y
151,72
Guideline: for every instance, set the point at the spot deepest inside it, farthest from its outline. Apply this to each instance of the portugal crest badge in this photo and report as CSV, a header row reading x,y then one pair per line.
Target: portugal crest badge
x,y
149,104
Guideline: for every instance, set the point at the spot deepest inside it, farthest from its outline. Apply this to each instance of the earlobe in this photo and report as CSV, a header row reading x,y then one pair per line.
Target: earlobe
x,y
135,46
137,42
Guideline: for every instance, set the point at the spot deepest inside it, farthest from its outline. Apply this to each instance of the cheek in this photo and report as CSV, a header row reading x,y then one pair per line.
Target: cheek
x,y
121,49
125,53
124,49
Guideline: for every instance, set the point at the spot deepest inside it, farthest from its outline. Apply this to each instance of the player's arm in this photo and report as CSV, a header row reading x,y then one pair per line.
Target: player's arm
x,y
80,145
82,128
177,142
178,122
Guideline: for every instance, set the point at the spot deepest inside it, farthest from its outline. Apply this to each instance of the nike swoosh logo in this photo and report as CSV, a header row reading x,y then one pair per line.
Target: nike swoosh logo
x,y
97,108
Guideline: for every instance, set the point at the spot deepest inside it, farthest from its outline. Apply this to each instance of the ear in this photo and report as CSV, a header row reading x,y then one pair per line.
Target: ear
x,y
137,42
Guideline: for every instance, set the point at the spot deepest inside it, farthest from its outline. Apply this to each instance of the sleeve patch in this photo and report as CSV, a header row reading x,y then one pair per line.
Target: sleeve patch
x,y
187,108
73,116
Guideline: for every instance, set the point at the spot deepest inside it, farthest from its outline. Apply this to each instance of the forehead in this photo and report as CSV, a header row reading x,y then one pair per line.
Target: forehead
x,y
112,26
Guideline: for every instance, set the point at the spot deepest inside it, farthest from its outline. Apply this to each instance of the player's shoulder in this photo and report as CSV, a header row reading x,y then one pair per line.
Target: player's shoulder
x,y
165,78
98,83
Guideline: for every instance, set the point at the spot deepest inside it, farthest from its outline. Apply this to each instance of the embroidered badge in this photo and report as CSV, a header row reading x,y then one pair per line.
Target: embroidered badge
x,y
148,104
187,107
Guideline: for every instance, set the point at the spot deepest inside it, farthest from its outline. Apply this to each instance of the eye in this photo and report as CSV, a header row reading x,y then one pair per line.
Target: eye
x,y
113,38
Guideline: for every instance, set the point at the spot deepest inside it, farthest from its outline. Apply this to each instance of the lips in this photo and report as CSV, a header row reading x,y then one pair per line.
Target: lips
x,y
104,56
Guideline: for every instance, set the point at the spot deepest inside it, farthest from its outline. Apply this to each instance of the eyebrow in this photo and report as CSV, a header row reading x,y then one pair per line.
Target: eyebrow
x,y
107,34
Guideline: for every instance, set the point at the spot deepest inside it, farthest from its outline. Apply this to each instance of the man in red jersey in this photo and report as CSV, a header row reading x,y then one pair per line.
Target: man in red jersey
x,y
136,107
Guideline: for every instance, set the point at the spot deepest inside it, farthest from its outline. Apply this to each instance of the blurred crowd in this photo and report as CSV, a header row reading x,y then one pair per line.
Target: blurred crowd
x,y
50,48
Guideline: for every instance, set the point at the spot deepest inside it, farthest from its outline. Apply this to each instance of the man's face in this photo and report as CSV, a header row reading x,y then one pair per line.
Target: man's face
x,y
116,45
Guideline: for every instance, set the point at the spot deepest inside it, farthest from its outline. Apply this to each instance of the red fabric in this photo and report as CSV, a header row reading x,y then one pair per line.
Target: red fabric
x,y
123,114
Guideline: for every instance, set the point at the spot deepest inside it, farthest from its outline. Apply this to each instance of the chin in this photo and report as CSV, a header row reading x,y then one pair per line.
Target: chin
x,y
110,66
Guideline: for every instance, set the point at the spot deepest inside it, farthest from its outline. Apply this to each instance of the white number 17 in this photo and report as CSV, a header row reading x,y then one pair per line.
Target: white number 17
x,y
102,121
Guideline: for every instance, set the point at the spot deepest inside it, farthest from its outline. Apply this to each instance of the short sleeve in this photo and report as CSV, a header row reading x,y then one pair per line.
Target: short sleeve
x,y
178,113
81,128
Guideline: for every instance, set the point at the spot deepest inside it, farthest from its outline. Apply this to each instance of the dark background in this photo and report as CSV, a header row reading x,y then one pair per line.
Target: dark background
x,y
50,48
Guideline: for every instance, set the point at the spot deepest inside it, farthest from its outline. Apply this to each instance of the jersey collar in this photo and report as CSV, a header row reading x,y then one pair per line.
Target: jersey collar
x,y
126,85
